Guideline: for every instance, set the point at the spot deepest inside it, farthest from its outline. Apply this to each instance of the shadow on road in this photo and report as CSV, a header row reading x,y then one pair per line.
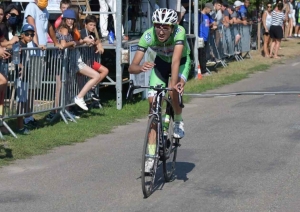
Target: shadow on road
x,y
182,170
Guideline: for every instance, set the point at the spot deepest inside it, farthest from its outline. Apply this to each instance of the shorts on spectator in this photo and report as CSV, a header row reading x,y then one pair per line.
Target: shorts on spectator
x,y
22,90
276,32
96,66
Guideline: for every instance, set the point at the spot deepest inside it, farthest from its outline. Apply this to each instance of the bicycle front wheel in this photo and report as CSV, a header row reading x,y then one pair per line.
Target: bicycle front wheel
x,y
150,155
170,144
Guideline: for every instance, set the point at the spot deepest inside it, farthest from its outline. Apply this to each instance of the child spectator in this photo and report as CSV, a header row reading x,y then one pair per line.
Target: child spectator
x,y
90,27
22,77
64,4
64,35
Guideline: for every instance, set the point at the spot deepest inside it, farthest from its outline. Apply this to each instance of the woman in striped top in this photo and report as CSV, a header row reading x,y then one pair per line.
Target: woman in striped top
x,y
276,32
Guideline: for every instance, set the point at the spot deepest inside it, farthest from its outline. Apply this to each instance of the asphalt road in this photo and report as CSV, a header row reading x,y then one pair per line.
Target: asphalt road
x,y
239,154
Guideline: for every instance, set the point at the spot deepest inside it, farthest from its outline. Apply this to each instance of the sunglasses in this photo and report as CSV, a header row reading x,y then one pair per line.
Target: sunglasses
x,y
269,6
29,34
163,27
13,14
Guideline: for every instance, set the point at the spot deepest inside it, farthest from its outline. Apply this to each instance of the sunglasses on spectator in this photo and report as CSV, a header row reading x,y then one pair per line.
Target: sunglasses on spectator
x,y
29,34
163,27
269,6
13,14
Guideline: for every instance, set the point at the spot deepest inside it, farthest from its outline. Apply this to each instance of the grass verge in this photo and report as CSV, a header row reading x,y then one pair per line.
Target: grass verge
x,y
101,121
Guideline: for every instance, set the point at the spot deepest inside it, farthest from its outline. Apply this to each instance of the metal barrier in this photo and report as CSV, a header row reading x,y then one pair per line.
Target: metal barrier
x,y
44,81
222,42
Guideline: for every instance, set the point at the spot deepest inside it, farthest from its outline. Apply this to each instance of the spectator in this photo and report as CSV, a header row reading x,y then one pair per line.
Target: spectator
x,y
291,17
63,5
297,16
234,21
205,23
90,27
9,24
104,4
267,21
22,80
276,31
225,14
37,15
64,35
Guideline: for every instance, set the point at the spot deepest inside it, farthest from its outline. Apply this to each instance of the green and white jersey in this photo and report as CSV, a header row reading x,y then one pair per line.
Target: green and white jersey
x,y
164,50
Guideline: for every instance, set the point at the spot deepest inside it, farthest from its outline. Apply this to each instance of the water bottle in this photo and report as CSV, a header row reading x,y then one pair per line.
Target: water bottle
x,y
166,122
111,37
16,53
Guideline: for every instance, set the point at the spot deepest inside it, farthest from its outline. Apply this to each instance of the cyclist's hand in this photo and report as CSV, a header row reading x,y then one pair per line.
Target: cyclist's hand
x,y
179,87
147,66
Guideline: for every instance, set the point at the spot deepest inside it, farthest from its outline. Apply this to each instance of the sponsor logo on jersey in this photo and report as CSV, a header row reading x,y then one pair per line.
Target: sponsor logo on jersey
x,y
177,30
148,37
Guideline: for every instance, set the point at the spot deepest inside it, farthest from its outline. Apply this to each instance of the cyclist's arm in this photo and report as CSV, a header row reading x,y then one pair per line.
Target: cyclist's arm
x,y
176,63
135,67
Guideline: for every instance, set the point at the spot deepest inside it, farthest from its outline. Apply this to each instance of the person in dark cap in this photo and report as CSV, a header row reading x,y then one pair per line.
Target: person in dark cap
x,y
225,13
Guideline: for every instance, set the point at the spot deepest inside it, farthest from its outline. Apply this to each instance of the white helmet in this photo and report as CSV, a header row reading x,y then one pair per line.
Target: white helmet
x,y
165,16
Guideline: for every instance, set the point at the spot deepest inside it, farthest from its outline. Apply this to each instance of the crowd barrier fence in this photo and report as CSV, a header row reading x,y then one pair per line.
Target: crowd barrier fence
x,y
44,81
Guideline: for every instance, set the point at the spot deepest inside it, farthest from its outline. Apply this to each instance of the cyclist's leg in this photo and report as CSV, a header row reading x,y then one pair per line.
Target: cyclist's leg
x,y
155,79
182,77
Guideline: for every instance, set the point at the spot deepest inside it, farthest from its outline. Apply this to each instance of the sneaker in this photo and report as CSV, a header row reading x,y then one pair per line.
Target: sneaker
x,y
23,131
32,124
149,165
178,129
94,95
81,103
50,116
210,63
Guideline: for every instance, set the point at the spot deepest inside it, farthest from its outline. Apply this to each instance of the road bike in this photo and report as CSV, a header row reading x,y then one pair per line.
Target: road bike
x,y
159,132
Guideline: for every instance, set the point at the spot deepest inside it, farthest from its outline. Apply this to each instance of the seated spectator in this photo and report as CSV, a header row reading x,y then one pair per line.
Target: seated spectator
x,y
88,32
64,34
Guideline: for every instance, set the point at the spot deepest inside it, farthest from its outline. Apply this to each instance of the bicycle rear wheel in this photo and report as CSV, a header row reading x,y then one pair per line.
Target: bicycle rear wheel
x,y
170,144
148,178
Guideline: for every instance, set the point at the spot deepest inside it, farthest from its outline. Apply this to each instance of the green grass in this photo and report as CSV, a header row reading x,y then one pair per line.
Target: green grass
x,y
102,121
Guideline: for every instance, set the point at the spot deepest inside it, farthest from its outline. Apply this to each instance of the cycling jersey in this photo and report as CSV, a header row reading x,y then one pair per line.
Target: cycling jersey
x,y
164,50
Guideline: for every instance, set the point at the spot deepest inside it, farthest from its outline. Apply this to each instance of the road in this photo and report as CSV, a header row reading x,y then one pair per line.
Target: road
x,y
239,154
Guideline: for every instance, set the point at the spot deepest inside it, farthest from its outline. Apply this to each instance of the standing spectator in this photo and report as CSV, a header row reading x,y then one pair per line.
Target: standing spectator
x,y
64,35
22,80
104,4
276,31
267,21
291,17
37,15
10,22
233,20
225,13
205,23
297,16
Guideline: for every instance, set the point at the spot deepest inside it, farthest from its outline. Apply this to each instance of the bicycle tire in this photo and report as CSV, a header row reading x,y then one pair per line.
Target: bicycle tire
x,y
170,144
148,179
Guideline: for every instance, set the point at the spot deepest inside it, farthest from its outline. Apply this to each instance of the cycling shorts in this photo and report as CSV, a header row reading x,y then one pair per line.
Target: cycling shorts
x,y
161,73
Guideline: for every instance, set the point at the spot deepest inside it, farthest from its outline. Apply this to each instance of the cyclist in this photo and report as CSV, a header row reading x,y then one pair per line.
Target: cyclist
x,y
168,40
